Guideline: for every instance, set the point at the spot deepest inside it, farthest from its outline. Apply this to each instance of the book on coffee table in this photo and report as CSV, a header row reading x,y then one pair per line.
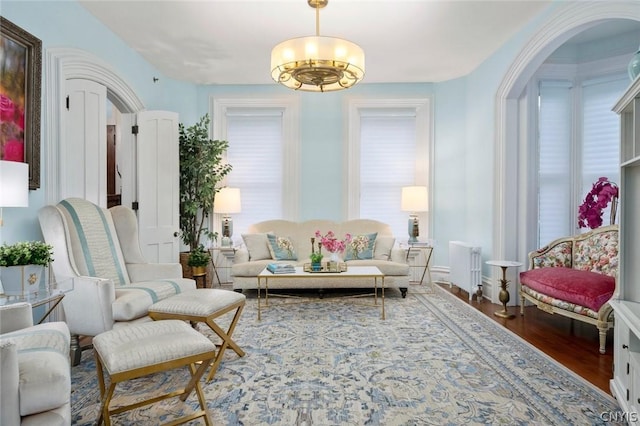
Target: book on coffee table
x,y
281,268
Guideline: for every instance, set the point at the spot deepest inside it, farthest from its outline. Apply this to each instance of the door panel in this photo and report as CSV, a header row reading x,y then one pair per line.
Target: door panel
x,y
83,155
158,185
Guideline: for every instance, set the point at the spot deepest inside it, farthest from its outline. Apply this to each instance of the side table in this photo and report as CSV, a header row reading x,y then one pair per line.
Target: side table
x,y
427,250
504,293
52,296
228,253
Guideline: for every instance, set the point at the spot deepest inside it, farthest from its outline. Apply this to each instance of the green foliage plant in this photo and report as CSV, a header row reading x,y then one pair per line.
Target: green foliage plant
x,y
316,257
199,257
202,168
26,253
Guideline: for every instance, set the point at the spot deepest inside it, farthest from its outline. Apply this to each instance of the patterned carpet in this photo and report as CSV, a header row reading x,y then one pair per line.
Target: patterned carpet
x,y
433,361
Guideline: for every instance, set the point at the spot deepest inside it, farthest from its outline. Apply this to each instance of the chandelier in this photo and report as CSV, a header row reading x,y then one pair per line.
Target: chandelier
x,y
316,63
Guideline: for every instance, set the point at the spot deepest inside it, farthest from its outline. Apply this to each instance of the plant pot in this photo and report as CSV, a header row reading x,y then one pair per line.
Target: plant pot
x,y
21,280
198,271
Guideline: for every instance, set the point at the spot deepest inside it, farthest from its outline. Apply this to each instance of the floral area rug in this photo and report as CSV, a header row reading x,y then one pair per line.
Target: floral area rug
x,y
433,361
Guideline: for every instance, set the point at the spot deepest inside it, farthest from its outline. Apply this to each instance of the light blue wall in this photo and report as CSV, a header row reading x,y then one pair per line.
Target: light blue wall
x,y
67,24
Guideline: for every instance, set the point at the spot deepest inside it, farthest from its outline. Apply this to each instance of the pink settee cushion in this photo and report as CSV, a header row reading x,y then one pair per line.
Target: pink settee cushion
x,y
584,288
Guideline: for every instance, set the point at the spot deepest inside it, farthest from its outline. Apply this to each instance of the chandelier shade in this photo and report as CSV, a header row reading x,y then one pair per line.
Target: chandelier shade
x,y
317,63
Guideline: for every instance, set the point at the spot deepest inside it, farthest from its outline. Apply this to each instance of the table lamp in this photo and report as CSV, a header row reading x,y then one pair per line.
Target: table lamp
x,y
227,201
14,185
414,200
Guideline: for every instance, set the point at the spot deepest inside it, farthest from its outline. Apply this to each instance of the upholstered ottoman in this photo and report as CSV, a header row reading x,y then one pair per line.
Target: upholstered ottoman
x,y
204,305
138,350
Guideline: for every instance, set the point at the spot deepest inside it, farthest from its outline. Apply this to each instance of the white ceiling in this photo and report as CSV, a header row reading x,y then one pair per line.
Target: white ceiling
x,y
230,41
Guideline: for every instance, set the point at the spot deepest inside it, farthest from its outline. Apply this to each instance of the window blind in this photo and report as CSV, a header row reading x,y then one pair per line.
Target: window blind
x,y
387,163
256,153
601,130
554,160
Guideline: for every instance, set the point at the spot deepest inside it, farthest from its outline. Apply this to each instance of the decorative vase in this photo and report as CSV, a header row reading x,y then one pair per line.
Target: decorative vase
x,y
21,280
334,257
634,66
316,266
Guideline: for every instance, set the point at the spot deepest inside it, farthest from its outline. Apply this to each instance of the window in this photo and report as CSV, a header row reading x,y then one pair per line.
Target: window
x,y
389,147
263,150
578,142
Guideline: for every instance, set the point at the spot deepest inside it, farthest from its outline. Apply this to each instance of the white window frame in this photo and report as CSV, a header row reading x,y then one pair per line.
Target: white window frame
x,y
424,150
291,144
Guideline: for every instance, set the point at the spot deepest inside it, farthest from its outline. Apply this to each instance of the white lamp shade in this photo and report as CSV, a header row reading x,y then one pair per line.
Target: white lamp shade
x,y
14,184
227,201
414,199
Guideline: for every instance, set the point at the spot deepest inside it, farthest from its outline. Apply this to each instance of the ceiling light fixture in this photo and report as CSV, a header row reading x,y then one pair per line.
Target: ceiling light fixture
x,y
315,63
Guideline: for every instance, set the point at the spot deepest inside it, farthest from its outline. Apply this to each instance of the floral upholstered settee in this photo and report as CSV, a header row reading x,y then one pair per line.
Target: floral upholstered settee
x,y
575,277
256,253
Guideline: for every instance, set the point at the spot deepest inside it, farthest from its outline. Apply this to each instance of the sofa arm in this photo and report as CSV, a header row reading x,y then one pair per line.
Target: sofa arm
x,y
88,307
241,255
9,383
558,253
15,317
398,255
153,271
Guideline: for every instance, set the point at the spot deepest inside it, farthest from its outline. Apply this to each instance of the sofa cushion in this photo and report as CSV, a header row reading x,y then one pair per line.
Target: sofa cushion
x,y
45,380
250,269
257,246
281,248
382,247
583,288
133,301
361,246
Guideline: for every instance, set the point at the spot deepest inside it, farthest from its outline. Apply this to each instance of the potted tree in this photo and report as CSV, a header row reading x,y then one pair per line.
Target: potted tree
x,y
202,169
21,266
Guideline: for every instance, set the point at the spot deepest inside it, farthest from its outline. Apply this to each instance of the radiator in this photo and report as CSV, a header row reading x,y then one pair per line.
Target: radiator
x,y
465,266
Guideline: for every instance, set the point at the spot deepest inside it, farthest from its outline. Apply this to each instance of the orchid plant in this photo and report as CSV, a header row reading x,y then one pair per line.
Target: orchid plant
x,y
330,242
590,211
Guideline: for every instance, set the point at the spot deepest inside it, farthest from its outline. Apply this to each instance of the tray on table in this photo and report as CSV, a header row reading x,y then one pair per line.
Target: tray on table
x,y
326,267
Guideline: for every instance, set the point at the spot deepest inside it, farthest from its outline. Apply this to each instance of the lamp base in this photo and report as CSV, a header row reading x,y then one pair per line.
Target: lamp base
x,y
413,228
226,242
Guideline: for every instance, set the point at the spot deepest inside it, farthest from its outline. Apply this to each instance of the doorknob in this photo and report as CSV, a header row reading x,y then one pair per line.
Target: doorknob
x,y
175,234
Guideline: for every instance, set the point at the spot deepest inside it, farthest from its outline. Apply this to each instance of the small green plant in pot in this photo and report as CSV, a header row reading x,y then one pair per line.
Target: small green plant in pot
x,y
199,257
21,266
316,257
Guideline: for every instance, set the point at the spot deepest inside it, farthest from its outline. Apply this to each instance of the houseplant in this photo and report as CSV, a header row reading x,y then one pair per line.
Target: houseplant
x,y
201,170
21,266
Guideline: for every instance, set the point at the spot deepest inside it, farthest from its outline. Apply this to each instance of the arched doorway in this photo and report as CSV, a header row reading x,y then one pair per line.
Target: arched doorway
x,y
63,64
509,232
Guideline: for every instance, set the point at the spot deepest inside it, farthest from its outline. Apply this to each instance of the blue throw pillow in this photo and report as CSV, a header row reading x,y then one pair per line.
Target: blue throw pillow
x,y
361,247
281,248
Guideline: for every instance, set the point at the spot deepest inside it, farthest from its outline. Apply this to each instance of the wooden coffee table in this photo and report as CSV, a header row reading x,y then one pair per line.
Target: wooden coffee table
x,y
352,272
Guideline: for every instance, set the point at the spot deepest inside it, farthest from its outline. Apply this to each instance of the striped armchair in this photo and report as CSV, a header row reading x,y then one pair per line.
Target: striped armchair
x,y
113,282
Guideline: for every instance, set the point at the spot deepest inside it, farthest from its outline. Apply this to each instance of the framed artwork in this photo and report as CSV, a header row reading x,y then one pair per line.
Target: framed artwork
x,y
20,75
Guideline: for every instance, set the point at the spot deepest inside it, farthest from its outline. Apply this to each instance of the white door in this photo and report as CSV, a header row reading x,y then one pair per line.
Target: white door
x,y
83,152
158,191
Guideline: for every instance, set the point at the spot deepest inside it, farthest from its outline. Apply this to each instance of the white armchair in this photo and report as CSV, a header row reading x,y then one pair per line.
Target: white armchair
x,y
35,376
113,284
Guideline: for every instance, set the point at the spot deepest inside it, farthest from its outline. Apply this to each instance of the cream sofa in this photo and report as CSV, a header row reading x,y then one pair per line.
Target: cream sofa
x,y
251,258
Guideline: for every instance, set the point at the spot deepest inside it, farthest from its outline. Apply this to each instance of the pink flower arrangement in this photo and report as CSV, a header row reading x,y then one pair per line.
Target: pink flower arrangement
x,y
601,194
331,243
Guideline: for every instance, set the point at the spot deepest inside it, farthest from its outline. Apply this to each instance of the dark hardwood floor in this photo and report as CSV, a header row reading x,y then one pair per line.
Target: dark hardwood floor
x,y
572,343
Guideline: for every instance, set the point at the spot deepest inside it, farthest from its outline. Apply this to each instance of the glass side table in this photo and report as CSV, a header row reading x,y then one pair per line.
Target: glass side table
x,y
426,248
51,295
